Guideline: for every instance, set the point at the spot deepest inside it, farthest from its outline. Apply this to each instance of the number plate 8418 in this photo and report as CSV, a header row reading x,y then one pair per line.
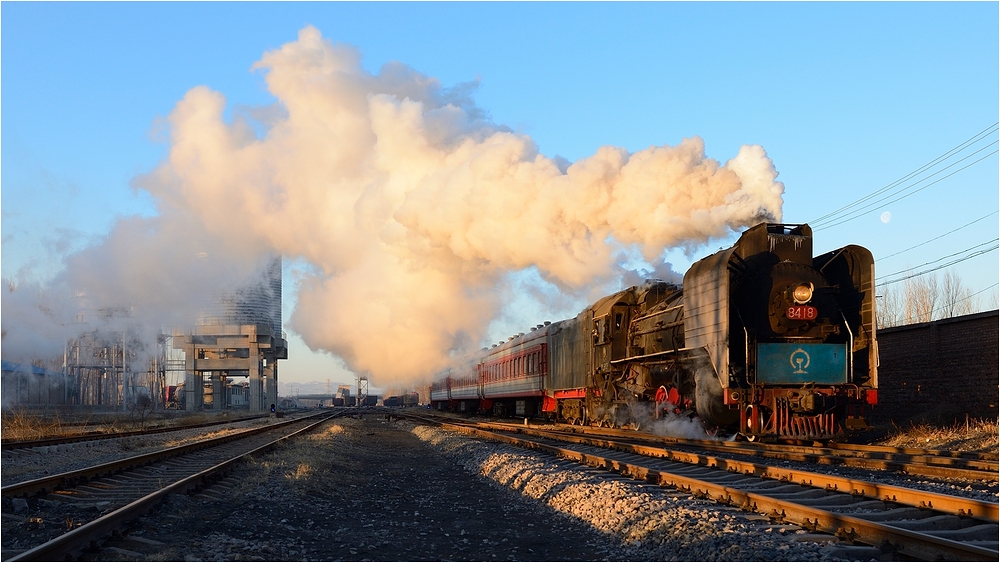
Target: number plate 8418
x,y
801,313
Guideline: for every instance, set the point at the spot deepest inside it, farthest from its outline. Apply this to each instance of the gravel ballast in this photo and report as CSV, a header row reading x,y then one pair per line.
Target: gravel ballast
x,y
380,490
24,465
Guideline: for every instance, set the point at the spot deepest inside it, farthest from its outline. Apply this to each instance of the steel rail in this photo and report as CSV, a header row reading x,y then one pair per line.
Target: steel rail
x,y
957,506
854,450
864,449
69,478
907,542
94,436
87,534
910,461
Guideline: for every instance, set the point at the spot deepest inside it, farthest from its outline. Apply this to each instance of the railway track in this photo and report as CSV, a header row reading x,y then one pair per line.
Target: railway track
x,y
925,463
905,522
10,445
79,508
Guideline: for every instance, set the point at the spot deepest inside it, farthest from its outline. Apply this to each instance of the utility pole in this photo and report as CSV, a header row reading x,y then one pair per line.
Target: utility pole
x,y
362,389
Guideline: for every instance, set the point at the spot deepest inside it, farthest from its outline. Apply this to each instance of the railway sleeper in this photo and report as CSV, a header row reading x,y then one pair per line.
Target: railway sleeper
x,y
859,508
831,502
902,513
943,522
980,532
802,494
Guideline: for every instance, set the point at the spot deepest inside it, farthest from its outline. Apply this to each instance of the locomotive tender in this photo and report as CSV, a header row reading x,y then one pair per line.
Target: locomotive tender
x,y
763,339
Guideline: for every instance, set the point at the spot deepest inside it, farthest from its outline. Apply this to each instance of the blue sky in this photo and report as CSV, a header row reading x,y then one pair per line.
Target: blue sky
x,y
845,98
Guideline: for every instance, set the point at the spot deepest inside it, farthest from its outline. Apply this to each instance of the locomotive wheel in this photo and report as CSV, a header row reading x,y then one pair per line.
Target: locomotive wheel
x,y
753,411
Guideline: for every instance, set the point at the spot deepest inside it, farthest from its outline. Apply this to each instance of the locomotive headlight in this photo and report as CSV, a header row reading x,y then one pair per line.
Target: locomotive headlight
x,y
802,293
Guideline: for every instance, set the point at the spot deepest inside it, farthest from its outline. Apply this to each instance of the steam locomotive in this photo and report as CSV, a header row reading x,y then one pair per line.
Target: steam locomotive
x,y
763,339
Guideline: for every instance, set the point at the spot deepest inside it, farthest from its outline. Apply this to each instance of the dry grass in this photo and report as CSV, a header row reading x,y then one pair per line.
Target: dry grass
x,y
305,463
25,424
974,436
18,424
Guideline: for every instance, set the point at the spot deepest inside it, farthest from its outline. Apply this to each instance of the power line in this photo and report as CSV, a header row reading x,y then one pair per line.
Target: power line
x,y
966,298
883,201
938,237
971,248
909,275
836,217
962,145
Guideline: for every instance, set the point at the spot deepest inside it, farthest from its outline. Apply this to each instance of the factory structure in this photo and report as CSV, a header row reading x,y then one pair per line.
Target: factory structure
x,y
242,337
227,359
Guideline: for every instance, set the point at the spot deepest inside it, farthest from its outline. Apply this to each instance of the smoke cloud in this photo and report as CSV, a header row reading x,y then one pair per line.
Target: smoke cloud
x,y
410,206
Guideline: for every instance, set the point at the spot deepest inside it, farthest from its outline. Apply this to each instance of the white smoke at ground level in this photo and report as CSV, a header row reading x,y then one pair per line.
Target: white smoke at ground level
x,y
668,423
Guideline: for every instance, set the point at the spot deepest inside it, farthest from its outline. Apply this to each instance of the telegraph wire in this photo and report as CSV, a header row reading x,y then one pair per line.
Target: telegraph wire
x,y
972,139
970,249
850,208
882,201
938,237
910,275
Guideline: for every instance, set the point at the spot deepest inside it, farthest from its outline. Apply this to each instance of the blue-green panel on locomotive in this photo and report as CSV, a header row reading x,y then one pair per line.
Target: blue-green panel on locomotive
x,y
802,363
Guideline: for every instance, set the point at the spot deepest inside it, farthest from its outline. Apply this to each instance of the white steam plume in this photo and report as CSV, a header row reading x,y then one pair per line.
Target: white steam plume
x,y
411,207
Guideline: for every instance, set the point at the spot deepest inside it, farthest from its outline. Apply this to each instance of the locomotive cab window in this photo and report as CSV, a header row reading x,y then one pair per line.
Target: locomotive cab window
x,y
601,330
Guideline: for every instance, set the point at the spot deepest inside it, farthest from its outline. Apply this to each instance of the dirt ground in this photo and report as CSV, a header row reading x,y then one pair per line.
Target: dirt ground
x,y
357,490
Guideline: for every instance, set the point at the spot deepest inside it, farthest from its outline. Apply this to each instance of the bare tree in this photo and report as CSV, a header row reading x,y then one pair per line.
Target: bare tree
x,y
140,410
921,294
889,306
923,299
956,298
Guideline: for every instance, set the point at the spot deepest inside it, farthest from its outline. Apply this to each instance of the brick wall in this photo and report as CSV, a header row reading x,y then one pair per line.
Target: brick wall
x,y
938,372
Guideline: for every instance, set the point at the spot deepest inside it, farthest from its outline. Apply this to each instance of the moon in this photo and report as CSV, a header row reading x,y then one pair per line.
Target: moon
x,y
886,217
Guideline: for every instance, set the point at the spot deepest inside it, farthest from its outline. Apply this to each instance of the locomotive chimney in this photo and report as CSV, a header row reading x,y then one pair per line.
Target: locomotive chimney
x,y
787,242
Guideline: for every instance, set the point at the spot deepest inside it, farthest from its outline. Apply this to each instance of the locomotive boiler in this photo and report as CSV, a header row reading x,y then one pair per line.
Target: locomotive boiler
x,y
762,338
